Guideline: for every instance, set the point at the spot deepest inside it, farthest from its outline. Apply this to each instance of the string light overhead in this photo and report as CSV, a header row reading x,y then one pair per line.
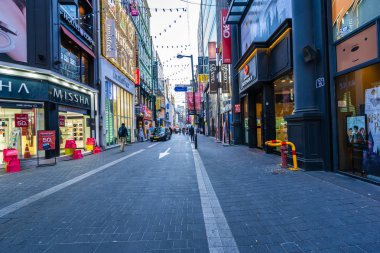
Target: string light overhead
x,y
167,28
173,46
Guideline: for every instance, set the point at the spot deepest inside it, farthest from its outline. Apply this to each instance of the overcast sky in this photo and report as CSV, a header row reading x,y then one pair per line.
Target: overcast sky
x,y
183,32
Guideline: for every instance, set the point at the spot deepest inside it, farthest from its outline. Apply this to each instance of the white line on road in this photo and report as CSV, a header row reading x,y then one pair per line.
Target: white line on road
x,y
164,154
219,235
151,146
11,208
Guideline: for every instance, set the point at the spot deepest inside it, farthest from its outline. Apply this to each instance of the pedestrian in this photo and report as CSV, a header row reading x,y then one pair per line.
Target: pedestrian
x,y
191,132
141,135
123,133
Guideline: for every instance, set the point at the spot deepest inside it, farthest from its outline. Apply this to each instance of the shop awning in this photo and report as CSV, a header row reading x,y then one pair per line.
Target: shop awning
x,y
237,10
77,41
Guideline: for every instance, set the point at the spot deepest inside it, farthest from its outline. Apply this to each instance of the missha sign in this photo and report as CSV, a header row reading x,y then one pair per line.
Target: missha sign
x,y
69,97
248,74
19,88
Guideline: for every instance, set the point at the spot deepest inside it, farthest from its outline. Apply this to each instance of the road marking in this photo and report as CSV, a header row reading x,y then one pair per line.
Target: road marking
x,y
164,154
14,207
151,146
219,235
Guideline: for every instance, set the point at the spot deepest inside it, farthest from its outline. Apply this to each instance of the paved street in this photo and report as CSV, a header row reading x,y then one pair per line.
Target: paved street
x,y
214,199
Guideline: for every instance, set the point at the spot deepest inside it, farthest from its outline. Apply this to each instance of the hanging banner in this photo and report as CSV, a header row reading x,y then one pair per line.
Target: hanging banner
x,y
190,103
46,140
133,7
21,120
225,78
226,39
198,102
212,50
212,77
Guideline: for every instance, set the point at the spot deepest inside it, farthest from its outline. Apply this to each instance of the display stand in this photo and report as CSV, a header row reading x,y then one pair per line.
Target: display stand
x,y
46,142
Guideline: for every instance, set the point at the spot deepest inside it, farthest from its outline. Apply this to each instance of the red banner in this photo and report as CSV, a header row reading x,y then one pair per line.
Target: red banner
x,y
62,121
198,102
190,101
21,120
137,82
237,108
46,140
226,39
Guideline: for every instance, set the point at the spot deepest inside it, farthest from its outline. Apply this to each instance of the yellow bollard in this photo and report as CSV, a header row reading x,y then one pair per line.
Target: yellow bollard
x,y
278,143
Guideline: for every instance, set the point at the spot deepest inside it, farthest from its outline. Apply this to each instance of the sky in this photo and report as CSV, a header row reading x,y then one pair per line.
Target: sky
x,y
183,32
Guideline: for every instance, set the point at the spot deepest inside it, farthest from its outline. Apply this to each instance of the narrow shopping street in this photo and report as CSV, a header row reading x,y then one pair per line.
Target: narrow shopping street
x,y
213,199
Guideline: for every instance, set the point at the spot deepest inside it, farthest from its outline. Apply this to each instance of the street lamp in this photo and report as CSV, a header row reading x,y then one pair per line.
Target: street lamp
x,y
180,56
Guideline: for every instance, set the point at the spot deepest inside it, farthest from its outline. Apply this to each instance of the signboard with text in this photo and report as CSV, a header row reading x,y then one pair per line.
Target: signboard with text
x,y
62,121
226,39
21,120
212,79
46,140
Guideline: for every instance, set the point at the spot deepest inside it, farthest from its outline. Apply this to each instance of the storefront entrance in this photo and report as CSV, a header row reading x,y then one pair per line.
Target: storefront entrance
x,y
20,138
259,119
74,124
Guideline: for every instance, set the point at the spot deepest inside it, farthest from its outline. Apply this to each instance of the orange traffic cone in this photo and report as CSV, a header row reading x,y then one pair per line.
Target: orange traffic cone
x,y
27,152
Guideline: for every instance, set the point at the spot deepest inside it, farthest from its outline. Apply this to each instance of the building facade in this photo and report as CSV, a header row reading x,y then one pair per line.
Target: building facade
x,y
144,101
48,74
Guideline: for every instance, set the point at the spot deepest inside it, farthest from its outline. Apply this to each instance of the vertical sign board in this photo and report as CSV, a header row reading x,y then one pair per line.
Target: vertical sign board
x,y
21,120
212,79
198,102
62,121
212,50
225,78
226,39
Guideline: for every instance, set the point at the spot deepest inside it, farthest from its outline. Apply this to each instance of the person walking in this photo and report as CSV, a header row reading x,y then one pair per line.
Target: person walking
x,y
123,133
141,134
191,132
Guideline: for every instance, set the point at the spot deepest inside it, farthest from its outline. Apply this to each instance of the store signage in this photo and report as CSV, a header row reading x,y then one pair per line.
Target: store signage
x,y
120,79
46,139
237,108
226,39
110,38
137,82
17,105
62,121
68,97
21,120
134,8
202,78
212,78
225,78
248,74
147,114
75,25
19,88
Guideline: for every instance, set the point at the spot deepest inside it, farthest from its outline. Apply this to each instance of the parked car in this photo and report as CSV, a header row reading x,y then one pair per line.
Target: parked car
x,y
161,134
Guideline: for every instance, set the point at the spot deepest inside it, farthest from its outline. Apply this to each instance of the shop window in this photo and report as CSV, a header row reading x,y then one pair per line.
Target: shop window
x,y
20,138
70,9
358,112
347,16
284,104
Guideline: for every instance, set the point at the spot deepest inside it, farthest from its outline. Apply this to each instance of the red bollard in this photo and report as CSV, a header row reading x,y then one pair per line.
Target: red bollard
x,y
284,154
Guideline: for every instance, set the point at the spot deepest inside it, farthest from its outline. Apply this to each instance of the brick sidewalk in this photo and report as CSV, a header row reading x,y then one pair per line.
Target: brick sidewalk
x,y
290,211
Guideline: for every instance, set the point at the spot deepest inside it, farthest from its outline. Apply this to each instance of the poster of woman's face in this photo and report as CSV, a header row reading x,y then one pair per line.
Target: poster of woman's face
x,y
13,37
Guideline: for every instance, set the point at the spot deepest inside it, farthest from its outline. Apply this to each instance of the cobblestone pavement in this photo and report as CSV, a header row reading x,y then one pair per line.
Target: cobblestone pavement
x,y
147,204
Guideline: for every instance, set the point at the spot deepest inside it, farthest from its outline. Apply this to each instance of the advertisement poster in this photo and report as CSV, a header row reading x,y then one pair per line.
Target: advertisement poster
x,y
46,139
212,77
262,20
62,121
356,129
372,110
21,120
13,27
198,102
190,102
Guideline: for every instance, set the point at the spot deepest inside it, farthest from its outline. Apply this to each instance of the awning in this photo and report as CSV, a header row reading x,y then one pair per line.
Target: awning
x,y
237,10
77,41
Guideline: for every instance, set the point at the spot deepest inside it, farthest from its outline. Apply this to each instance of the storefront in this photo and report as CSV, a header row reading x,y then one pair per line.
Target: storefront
x,y
357,88
32,101
118,104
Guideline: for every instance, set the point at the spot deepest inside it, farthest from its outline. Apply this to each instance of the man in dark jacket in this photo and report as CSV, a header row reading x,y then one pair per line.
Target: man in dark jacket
x,y
191,131
122,133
